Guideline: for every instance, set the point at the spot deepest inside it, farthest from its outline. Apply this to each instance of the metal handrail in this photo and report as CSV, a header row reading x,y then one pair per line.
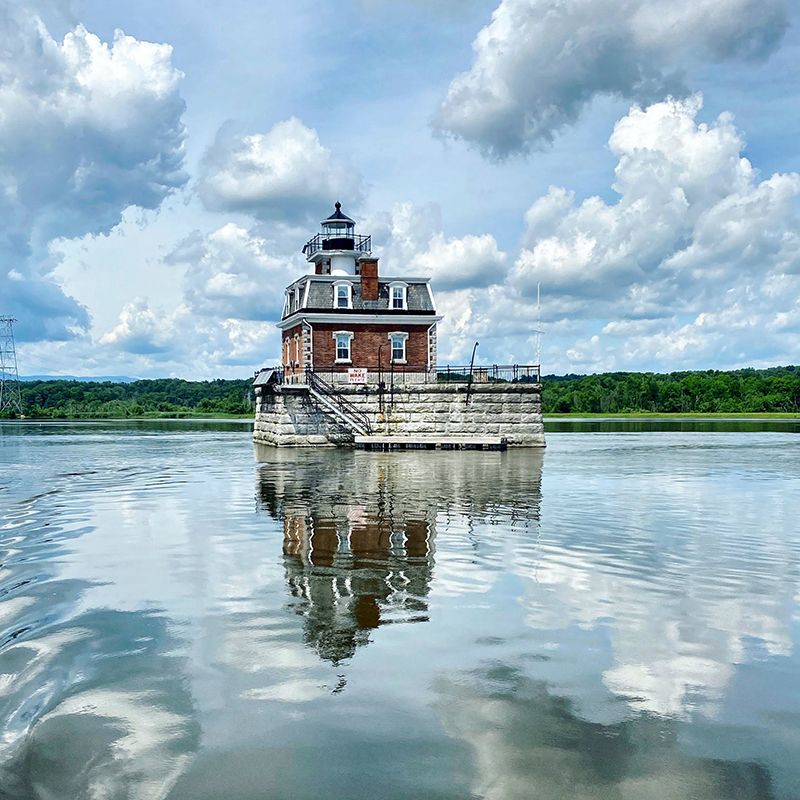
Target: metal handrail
x,y
496,373
345,406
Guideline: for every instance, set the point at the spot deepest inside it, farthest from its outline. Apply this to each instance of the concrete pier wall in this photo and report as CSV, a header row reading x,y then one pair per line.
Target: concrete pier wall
x,y
290,415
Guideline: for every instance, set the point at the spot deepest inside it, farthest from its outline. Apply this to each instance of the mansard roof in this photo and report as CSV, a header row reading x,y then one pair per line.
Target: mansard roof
x,y
317,295
321,297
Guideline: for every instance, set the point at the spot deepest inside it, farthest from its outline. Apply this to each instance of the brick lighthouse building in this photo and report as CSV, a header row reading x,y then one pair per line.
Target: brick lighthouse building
x,y
346,322
359,364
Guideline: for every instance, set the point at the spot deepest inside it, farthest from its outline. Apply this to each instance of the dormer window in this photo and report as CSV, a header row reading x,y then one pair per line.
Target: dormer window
x,y
398,296
342,295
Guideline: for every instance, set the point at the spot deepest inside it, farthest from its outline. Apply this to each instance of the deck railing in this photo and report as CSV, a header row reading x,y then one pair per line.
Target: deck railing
x,y
496,373
400,374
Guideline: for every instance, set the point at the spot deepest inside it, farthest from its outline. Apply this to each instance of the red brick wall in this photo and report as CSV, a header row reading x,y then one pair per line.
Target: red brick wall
x,y
293,355
365,343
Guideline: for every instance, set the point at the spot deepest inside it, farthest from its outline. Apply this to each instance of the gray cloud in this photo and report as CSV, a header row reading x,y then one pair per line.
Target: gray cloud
x,y
88,128
538,63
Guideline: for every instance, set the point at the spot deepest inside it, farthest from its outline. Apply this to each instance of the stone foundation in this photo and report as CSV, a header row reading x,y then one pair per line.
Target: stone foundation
x,y
290,416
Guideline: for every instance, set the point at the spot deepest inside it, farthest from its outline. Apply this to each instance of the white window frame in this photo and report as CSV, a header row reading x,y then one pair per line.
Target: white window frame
x,y
398,285
349,335
402,335
349,287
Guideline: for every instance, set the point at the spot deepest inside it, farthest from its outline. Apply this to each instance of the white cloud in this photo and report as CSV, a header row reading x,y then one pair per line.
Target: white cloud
x,y
181,342
231,273
285,174
538,63
410,241
232,294
139,330
692,220
469,261
88,129
697,262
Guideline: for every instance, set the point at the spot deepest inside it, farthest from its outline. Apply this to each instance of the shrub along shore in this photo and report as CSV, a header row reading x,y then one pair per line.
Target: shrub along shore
x,y
750,392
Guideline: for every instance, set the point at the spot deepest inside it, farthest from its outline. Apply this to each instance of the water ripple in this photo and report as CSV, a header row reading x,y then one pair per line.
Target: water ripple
x,y
616,617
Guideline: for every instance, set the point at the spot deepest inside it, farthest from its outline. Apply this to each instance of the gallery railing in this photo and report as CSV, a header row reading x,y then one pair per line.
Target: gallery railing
x,y
322,241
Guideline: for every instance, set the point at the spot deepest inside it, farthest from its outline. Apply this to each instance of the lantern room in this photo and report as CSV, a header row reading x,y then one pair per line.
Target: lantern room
x,y
337,248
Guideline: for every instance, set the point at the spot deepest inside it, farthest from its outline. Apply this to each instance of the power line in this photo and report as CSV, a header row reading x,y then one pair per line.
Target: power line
x,y
10,395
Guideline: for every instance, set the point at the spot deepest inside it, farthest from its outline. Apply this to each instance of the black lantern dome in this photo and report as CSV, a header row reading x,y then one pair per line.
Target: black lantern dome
x,y
338,233
338,230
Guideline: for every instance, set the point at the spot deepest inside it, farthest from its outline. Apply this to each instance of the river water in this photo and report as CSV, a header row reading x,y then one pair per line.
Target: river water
x,y
185,617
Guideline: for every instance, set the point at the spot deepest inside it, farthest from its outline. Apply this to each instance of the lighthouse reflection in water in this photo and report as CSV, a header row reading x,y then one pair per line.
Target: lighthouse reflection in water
x,y
359,542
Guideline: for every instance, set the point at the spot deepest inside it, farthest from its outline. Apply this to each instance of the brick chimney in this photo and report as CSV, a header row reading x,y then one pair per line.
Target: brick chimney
x,y
369,278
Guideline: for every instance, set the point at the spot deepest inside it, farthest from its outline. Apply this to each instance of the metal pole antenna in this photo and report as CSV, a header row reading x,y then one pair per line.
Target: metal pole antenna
x,y
10,396
539,328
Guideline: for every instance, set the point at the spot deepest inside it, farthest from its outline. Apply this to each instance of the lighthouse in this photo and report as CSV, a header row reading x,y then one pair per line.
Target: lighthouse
x,y
346,322
358,364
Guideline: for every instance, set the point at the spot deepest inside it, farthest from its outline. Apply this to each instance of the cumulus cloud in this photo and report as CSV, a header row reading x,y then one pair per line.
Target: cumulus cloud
x,y
696,262
410,241
87,128
284,175
139,330
538,63
691,220
180,341
231,273
469,261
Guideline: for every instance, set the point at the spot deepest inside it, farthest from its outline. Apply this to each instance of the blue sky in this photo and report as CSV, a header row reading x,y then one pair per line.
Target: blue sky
x,y
637,158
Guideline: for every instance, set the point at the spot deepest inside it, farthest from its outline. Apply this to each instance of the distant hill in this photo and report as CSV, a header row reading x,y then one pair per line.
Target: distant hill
x,y
81,378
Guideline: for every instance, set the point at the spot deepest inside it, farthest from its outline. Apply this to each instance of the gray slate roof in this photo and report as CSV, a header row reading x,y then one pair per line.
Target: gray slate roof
x,y
320,298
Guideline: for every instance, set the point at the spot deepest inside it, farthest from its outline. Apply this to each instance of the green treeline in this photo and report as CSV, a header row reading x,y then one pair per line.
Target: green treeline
x,y
774,390
165,397
738,391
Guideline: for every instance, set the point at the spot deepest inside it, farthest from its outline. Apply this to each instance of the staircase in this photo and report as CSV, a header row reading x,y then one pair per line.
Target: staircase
x,y
347,413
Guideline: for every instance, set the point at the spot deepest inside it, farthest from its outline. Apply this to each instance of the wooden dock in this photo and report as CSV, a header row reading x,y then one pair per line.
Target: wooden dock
x,y
385,443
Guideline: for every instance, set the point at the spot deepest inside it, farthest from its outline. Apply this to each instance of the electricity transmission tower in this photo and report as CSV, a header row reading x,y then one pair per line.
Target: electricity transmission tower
x,y
10,397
